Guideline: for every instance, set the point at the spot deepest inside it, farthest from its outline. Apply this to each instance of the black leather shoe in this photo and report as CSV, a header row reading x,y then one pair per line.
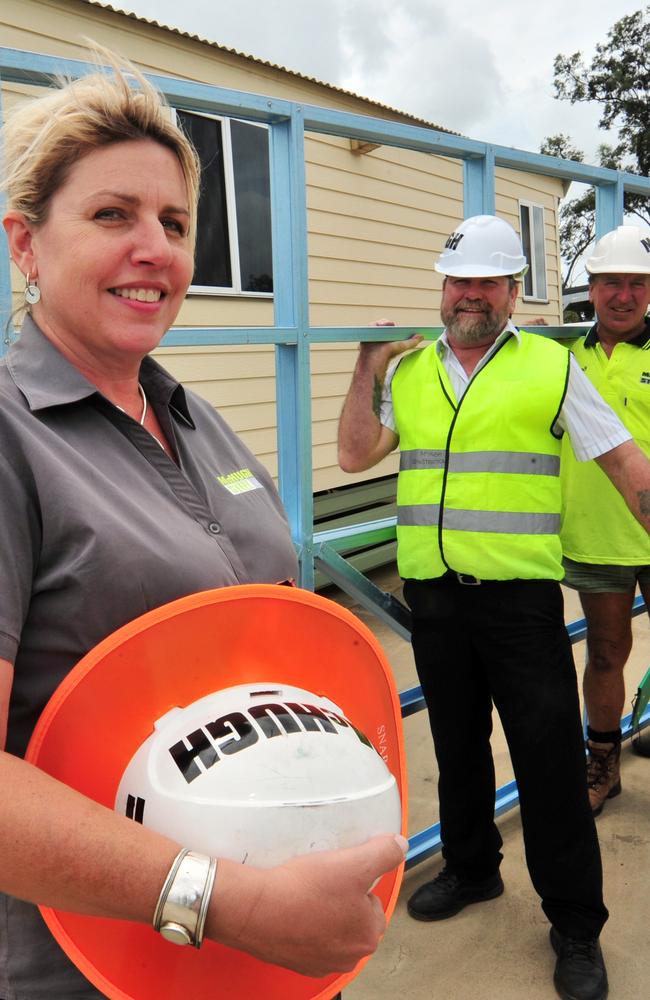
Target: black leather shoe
x,y
580,969
448,894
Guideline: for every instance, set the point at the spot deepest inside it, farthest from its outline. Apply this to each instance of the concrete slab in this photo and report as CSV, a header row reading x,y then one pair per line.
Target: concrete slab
x,y
499,950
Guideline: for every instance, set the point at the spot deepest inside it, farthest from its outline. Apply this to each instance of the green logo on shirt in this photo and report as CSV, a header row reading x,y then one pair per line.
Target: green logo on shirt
x,y
242,481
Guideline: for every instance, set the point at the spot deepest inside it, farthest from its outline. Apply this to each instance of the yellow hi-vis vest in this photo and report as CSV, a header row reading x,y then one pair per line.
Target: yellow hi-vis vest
x,y
478,490
597,525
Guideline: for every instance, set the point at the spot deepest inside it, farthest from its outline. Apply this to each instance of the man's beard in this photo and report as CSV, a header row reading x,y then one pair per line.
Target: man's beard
x,y
481,326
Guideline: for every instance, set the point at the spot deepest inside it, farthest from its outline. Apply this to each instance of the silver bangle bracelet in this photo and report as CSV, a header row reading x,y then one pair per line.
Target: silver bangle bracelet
x,y
182,906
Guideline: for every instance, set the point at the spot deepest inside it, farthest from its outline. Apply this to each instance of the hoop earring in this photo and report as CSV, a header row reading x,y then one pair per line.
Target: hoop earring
x,y
32,292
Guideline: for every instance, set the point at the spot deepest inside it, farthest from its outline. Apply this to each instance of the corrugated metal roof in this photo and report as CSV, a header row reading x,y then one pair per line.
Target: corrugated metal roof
x,y
262,62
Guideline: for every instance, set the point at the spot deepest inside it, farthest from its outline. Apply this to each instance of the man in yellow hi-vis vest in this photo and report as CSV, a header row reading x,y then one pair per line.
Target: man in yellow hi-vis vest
x,y
606,551
479,417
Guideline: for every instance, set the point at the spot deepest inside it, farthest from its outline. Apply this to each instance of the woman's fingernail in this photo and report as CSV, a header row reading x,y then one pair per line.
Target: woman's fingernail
x,y
402,843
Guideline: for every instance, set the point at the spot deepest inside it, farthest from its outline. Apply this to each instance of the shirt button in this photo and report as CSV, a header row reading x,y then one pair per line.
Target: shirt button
x,y
214,528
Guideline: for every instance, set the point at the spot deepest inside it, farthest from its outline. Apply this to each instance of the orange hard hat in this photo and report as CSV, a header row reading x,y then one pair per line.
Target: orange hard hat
x,y
105,708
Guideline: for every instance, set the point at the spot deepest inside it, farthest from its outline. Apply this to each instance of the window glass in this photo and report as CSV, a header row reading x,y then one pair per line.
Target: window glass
x,y
525,239
533,242
212,257
250,157
233,245
540,252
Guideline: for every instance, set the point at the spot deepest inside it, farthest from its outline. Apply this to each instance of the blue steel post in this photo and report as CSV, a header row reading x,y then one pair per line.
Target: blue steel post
x,y
291,302
609,206
478,184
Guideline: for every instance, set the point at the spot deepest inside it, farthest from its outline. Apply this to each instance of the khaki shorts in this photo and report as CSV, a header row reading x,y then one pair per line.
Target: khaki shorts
x,y
596,578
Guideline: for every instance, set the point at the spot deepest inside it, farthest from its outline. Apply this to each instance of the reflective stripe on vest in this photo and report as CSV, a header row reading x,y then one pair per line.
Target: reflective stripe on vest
x,y
500,522
478,488
524,463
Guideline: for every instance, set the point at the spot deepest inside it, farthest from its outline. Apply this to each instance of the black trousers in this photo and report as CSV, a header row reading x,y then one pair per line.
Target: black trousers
x,y
505,643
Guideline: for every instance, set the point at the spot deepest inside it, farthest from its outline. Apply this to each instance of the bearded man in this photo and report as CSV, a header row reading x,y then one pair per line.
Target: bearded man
x,y
479,418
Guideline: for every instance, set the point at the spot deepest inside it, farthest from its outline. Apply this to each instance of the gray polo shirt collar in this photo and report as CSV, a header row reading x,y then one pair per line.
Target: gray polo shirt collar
x,y
46,378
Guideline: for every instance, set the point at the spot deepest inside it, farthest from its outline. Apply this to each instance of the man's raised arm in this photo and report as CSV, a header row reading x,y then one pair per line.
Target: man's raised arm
x,y
363,441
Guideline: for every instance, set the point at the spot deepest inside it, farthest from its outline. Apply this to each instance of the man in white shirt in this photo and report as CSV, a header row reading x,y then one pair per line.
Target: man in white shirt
x,y
479,418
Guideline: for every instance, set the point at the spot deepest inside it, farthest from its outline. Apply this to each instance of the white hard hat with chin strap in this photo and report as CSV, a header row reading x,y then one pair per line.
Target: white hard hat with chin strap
x,y
483,246
625,250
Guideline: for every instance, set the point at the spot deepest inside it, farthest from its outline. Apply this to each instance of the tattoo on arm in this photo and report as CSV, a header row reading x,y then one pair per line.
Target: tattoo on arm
x,y
376,404
644,502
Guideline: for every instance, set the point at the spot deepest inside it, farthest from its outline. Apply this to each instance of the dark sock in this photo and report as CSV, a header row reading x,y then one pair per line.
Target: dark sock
x,y
614,736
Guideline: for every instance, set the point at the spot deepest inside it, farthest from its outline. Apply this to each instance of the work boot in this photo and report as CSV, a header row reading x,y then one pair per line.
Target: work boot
x,y
447,894
603,773
580,969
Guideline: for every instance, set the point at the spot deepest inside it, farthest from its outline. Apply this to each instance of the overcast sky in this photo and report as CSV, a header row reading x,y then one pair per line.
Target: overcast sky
x,y
480,67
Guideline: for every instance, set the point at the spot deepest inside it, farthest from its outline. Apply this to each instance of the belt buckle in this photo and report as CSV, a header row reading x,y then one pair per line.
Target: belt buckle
x,y
468,580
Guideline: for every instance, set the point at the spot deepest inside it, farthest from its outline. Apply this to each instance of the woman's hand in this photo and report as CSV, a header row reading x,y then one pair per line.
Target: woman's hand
x,y
315,914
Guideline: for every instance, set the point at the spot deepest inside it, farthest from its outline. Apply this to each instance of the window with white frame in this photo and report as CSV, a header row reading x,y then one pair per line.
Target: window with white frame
x,y
532,237
233,241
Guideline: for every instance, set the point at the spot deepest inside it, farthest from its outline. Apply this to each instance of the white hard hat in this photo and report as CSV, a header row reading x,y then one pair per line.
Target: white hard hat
x,y
625,250
482,247
259,773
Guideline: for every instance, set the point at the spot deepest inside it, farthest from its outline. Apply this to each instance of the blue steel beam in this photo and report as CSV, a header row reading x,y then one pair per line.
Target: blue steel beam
x,y
570,170
351,334
609,206
357,536
421,138
430,140
201,336
32,68
479,185
412,701
386,607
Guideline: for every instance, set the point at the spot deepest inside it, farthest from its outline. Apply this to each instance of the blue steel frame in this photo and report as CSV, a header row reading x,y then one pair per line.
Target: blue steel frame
x,y
292,334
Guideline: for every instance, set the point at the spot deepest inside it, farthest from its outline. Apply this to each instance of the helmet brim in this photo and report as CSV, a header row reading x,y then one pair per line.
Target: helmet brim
x,y
609,269
105,707
478,271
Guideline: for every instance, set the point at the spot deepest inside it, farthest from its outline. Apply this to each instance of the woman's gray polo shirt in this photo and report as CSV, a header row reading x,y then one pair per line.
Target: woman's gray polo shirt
x,y
97,526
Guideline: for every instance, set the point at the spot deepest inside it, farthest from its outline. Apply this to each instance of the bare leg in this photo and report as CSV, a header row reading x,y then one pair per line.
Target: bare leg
x,y
645,593
609,641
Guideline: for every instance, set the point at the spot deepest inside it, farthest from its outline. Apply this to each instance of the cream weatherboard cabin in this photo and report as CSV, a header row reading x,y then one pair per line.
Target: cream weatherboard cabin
x,y
376,217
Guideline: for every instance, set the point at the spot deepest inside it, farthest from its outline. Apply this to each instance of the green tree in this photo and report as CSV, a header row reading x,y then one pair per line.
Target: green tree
x,y
618,79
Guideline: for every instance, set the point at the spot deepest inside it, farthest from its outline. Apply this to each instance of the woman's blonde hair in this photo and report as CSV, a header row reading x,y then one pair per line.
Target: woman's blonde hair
x,y
47,136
